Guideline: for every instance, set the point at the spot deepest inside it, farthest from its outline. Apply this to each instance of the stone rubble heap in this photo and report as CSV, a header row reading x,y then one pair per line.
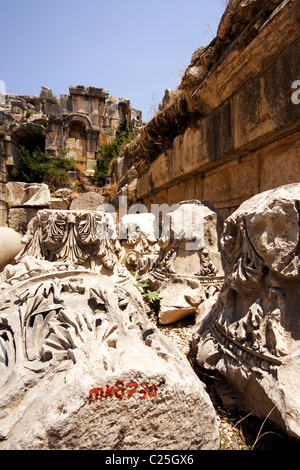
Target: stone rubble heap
x,y
78,344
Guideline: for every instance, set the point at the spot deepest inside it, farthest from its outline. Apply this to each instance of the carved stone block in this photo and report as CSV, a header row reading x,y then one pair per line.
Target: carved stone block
x,y
188,266
81,366
251,334
27,194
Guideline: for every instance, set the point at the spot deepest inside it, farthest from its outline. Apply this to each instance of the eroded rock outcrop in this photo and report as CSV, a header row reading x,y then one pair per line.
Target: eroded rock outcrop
x,y
81,366
250,335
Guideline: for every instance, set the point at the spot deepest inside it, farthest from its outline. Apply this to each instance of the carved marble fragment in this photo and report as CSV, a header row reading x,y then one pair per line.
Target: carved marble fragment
x,y
187,269
138,235
81,366
87,238
251,334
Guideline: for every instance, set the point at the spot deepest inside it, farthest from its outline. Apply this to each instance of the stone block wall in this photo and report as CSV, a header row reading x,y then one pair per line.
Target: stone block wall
x,y
240,128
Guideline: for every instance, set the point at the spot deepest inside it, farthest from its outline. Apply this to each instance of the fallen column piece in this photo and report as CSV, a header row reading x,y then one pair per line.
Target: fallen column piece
x,y
250,334
81,366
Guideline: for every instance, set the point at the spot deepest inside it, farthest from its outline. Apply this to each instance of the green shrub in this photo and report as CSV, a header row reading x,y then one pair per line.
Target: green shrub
x,y
57,171
109,152
105,155
39,167
29,113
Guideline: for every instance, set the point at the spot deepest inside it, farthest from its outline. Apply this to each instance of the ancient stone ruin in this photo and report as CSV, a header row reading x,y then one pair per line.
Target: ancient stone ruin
x,y
77,349
213,239
187,268
231,128
251,333
78,122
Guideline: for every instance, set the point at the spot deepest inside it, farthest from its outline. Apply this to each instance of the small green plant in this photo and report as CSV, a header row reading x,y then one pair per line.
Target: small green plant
x,y
141,285
149,296
2,134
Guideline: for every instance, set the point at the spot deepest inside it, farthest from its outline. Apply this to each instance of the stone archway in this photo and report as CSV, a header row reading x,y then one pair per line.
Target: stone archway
x,y
31,136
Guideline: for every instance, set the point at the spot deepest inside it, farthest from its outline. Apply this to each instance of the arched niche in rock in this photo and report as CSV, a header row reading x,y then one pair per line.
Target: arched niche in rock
x,y
31,136
76,129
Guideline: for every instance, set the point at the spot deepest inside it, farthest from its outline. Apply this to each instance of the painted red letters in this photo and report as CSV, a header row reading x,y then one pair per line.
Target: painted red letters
x,y
152,390
133,386
143,392
97,392
118,391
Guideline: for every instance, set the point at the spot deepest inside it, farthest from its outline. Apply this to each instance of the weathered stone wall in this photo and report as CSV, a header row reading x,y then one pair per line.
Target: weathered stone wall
x,y
237,126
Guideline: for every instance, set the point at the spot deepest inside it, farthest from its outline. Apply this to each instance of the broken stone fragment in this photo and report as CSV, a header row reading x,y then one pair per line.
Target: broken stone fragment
x,y
187,269
27,194
250,334
87,238
138,235
10,245
87,201
82,368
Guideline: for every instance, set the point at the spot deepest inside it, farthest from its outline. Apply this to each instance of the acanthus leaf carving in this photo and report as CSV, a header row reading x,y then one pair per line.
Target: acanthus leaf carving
x,y
71,236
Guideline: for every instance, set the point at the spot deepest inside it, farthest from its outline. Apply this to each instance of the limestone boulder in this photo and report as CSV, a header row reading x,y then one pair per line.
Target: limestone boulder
x,y
250,334
21,194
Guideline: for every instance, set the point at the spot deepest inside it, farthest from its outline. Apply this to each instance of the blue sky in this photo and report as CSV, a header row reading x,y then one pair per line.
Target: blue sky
x,y
133,48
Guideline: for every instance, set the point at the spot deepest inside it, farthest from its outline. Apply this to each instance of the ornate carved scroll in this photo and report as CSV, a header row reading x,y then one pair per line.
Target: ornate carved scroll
x,y
74,237
251,333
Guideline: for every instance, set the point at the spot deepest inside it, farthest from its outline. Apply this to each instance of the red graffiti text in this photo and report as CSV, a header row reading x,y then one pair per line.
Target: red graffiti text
x,y
122,390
